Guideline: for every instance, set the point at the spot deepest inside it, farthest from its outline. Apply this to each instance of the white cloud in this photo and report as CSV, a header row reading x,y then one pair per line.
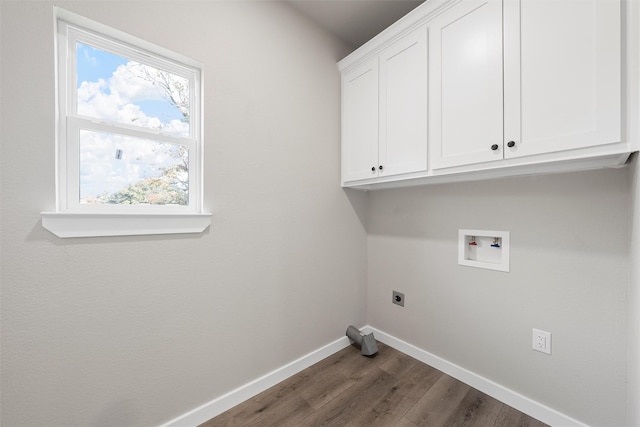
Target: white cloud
x,y
101,171
92,60
126,81
117,99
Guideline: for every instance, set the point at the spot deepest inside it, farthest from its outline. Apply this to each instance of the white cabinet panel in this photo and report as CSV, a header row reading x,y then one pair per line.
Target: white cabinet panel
x,y
385,111
562,74
487,88
403,105
465,86
360,122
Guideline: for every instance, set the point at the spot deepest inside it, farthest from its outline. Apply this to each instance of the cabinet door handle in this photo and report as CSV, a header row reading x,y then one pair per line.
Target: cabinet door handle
x,y
380,167
494,147
511,144
373,168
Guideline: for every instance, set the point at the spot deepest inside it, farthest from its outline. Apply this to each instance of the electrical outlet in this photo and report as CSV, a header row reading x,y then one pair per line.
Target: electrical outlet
x,y
541,341
398,298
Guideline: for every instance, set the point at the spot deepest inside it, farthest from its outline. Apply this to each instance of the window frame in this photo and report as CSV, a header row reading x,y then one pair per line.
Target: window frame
x,y
118,219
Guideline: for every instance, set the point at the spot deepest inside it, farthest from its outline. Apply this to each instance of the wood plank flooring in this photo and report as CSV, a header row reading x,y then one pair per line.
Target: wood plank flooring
x,y
390,389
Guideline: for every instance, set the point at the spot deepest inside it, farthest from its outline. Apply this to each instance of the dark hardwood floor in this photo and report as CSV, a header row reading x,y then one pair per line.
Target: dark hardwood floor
x,y
390,389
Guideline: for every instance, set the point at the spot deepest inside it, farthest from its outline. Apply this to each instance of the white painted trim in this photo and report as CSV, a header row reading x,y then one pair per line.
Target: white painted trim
x,y
523,166
82,224
133,41
229,400
74,220
522,403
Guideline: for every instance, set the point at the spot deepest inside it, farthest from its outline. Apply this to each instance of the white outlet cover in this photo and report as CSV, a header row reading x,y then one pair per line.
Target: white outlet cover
x,y
541,341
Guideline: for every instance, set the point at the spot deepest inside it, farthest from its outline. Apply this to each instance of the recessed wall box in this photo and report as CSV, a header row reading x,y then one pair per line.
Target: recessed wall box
x,y
484,249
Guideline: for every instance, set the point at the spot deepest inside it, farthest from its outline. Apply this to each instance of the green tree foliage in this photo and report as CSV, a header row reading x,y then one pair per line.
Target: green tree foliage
x,y
170,188
152,191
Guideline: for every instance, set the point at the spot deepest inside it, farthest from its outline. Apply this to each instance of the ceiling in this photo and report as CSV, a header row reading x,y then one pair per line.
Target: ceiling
x,y
355,21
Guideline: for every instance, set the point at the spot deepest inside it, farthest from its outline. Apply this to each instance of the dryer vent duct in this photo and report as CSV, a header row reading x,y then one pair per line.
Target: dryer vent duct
x,y
367,343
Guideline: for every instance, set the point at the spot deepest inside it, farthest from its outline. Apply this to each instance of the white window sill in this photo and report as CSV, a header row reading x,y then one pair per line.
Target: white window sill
x,y
64,224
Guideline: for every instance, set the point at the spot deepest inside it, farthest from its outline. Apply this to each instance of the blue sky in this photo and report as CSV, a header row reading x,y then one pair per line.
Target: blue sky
x,y
94,64
112,88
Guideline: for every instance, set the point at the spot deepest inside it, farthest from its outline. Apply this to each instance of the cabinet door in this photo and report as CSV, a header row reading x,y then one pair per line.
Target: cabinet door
x,y
465,85
360,122
403,105
562,74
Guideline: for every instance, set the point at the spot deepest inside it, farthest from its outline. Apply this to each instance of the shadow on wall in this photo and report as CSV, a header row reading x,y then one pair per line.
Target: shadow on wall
x,y
120,413
579,210
359,203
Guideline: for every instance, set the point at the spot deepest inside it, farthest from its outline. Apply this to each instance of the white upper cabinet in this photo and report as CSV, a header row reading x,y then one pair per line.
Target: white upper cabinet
x,y
384,111
360,121
469,89
403,105
562,64
465,88
561,79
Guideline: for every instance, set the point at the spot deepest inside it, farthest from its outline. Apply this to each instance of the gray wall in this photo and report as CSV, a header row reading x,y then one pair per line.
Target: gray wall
x,y
633,133
632,130
138,330
569,271
633,373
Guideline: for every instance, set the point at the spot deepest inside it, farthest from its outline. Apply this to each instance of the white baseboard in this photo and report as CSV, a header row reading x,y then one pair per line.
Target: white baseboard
x,y
229,400
521,403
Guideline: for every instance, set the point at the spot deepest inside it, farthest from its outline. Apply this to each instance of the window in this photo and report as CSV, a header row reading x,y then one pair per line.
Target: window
x,y
129,143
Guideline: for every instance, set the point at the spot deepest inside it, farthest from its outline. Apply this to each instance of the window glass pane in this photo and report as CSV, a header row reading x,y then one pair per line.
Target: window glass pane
x,y
114,88
119,169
